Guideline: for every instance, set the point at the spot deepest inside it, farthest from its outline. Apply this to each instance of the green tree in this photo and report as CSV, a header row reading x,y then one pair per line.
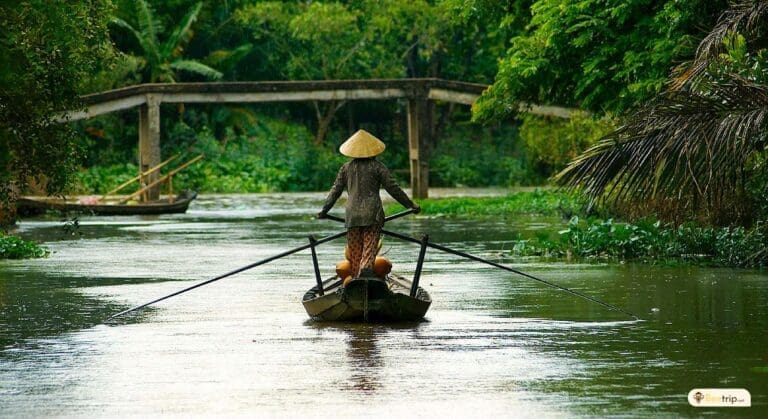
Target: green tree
x,y
48,49
599,55
162,60
700,146
318,41
368,39
553,143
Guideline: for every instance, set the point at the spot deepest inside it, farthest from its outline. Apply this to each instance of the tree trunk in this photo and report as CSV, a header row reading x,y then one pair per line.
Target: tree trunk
x,y
350,121
7,214
325,114
442,122
8,196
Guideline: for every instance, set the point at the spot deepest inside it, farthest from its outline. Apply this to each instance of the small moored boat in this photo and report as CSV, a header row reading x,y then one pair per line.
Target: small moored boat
x,y
169,205
367,299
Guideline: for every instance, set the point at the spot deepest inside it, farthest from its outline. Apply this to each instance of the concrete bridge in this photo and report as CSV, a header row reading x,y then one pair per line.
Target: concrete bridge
x,y
419,93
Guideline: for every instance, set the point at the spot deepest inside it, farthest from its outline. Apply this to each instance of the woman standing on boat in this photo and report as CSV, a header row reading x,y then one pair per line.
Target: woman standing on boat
x,y
363,177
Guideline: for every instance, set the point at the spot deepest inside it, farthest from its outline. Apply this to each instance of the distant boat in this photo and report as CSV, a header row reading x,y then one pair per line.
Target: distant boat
x,y
367,299
170,205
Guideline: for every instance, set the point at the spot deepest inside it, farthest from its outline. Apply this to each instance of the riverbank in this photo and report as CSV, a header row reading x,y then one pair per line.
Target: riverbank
x,y
564,231
582,236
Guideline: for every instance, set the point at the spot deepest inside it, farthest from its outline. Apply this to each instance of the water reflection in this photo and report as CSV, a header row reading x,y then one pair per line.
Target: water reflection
x,y
364,358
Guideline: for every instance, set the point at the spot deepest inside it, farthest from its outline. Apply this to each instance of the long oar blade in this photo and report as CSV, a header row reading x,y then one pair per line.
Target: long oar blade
x,y
236,271
507,268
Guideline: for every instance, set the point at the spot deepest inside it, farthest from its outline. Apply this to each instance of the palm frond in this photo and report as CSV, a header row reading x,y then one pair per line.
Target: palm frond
x,y
242,117
144,43
745,17
683,144
197,68
226,59
181,33
149,27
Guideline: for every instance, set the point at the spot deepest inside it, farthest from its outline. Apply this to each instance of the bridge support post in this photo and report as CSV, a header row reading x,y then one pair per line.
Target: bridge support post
x,y
149,142
419,131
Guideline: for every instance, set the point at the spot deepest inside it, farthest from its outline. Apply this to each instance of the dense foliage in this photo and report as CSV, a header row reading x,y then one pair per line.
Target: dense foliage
x,y
280,156
552,143
537,201
699,148
161,60
273,155
582,237
599,55
651,241
48,50
271,40
604,56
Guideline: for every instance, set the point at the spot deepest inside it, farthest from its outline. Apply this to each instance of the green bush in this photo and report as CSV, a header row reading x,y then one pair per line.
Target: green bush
x,y
649,240
278,156
102,179
552,143
542,202
13,247
469,155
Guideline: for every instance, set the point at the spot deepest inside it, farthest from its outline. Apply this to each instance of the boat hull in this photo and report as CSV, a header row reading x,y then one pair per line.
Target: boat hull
x,y
34,206
367,299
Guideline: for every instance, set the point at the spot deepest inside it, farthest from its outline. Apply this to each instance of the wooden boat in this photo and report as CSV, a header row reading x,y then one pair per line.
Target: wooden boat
x,y
169,205
367,299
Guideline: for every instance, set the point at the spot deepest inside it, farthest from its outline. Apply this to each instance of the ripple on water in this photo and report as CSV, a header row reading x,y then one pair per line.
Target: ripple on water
x,y
494,344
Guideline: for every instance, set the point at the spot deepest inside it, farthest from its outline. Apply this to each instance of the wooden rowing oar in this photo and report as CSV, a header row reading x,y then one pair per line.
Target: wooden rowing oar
x,y
510,269
253,265
236,271
497,265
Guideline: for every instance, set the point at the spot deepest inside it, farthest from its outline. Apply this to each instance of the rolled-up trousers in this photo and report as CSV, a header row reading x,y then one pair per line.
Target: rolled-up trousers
x,y
363,243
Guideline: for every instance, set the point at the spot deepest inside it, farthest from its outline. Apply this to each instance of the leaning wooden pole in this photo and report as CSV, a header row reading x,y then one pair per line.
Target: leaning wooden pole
x,y
144,174
161,180
228,274
510,269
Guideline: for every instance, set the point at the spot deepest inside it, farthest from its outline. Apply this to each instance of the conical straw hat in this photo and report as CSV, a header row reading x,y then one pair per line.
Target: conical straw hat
x,y
361,145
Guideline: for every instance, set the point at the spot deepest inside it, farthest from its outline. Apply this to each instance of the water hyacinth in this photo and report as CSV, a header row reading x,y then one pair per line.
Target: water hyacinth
x,y
649,240
13,247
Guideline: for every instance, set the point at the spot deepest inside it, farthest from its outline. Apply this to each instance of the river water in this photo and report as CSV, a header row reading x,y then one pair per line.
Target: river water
x,y
493,344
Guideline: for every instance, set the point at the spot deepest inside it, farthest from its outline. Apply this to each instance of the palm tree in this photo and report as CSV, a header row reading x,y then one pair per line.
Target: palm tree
x,y
696,145
163,60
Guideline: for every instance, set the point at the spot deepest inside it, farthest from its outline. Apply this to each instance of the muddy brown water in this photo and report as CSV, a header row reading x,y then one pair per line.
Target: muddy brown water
x,y
493,344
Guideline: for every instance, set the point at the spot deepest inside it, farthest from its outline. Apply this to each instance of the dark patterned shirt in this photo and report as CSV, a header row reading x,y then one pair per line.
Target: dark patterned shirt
x,y
363,178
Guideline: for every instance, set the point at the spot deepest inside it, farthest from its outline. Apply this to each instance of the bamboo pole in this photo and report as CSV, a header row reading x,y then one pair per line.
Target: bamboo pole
x,y
162,179
158,167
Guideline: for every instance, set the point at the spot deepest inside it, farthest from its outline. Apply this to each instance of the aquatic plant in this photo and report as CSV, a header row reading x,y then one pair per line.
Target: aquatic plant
x,y
538,201
651,241
13,247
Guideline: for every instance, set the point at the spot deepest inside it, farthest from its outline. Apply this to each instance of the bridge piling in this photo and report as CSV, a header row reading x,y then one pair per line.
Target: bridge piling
x,y
419,129
149,142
